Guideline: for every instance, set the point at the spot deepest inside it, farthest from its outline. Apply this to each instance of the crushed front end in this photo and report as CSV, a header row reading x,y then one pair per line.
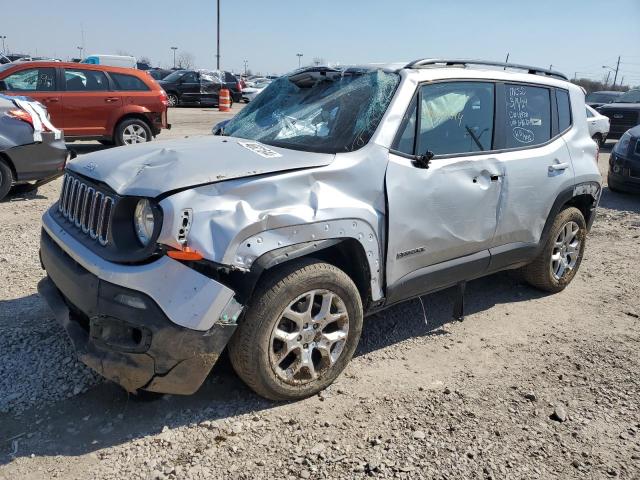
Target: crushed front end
x,y
145,321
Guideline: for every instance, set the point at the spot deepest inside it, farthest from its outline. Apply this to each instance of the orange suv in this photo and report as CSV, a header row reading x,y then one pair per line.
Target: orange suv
x,y
92,102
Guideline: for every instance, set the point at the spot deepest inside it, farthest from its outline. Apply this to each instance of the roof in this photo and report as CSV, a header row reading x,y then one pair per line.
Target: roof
x,y
86,66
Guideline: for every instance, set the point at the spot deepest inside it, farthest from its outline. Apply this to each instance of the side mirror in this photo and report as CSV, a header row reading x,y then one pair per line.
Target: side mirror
x,y
422,161
3,86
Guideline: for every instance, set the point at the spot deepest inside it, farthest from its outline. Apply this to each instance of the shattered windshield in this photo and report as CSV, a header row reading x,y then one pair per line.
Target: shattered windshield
x,y
319,110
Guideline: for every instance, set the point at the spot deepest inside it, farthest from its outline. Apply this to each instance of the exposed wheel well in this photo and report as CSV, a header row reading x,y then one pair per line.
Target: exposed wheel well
x,y
139,116
584,203
345,253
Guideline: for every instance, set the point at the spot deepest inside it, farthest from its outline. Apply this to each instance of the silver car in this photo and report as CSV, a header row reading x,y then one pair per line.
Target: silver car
x,y
336,193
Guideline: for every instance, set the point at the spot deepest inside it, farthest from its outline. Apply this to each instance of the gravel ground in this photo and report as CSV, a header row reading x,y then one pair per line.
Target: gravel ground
x,y
528,386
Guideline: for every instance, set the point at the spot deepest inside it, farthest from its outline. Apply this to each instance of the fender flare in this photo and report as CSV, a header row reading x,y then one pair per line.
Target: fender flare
x,y
592,189
311,237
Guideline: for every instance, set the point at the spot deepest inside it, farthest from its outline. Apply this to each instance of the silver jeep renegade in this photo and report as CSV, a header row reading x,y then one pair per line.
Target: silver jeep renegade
x,y
336,193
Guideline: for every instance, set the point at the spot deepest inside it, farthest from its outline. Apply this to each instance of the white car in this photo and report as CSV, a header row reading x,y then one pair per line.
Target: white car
x,y
249,93
598,125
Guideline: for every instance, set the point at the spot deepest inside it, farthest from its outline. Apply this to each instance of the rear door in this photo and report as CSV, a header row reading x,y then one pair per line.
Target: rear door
x,y
40,84
536,159
87,103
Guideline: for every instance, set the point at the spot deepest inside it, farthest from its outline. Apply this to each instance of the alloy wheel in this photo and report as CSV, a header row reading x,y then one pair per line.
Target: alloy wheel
x,y
566,250
309,337
134,134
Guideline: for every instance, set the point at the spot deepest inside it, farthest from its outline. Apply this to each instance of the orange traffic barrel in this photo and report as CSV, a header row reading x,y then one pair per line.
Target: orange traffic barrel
x,y
224,100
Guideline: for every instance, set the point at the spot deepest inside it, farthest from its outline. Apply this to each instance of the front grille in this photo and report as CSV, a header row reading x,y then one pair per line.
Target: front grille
x,y
622,117
86,207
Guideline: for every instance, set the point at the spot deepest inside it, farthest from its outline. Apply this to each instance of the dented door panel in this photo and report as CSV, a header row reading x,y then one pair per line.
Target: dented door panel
x,y
447,211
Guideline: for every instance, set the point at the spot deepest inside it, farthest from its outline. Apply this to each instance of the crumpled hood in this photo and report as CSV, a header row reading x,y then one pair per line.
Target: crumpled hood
x,y
153,168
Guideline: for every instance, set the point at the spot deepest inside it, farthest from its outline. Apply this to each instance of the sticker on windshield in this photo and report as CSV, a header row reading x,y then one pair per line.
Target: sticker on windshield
x,y
260,149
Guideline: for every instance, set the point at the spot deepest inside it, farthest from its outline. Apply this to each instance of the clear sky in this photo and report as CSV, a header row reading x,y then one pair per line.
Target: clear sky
x,y
572,35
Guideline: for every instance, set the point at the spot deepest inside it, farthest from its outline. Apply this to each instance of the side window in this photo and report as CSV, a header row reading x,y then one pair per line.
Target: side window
x,y
32,80
191,77
456,117
85,80
528,114
230,77
405,141
564,110
128,82
589,114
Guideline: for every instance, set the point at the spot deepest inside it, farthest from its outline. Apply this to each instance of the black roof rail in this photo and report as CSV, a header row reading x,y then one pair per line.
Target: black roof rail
x,y
425,62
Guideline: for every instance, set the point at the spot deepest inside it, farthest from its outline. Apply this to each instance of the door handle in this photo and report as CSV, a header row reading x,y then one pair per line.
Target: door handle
x,y
558,167
51,99
111,99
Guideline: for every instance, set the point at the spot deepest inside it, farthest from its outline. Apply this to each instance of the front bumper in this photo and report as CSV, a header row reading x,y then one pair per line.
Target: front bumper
x,y
124,334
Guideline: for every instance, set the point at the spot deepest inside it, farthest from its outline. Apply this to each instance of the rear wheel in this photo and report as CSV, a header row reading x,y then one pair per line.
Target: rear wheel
x,y
172,99
132,131
558,262
300,331
6,179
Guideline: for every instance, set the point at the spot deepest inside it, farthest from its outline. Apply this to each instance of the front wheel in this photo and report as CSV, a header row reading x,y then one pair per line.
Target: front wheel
x,y
558,262
172,100
132,131
597,137
300,331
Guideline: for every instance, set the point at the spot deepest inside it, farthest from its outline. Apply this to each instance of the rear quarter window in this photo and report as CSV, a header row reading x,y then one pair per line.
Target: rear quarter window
x,y
126,82
528,115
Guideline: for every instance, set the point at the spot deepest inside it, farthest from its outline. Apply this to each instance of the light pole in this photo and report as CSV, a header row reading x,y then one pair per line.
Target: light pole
x,y
80,49
245,67
299,55
3,38
615,77
174,56
218,51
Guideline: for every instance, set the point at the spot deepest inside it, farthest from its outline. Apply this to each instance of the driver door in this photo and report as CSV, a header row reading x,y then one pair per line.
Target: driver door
x,y
443,219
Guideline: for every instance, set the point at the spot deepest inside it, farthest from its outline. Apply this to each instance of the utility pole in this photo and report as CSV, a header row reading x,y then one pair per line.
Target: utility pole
x,y
80,49
551,67
299,55
615,77
218,54
606,82
174,56
3,38
245,67
506,60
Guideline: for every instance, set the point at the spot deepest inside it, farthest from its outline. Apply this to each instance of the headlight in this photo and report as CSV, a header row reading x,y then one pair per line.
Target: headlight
x,y
143,221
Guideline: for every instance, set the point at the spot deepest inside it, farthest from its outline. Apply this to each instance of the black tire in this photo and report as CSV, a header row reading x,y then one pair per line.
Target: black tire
x,y
173,99
597,137
133,124
252,344
6,179
612,188
539,273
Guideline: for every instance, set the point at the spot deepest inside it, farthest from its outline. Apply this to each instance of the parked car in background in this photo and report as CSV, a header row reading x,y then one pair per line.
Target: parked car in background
x,y
253,89
624,163
92,102
31,148
598,125
159,73
199,87
623,112
597,99
337,193
124,61
17,56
